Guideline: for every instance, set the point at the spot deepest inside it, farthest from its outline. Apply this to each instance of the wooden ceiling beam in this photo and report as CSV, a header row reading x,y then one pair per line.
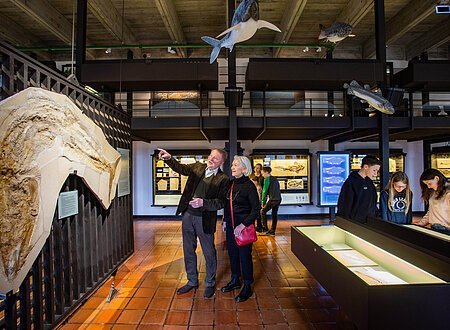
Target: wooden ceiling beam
x,y
407,18
435,37
292,13
44,13
355,11
113,21
169,16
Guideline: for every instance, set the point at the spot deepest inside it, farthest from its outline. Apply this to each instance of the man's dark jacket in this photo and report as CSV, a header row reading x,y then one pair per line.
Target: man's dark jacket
x,y
215,195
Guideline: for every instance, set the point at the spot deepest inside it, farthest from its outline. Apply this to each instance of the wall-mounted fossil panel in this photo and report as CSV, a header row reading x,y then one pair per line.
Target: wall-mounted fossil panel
x,y
44,137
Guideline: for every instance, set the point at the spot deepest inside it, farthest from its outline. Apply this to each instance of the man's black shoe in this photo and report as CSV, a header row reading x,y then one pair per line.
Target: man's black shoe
x,y
209,291
233,284
245,293
259,229
186,288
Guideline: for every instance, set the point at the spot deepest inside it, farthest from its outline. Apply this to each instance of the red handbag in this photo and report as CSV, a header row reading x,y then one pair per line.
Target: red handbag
x,y
248,234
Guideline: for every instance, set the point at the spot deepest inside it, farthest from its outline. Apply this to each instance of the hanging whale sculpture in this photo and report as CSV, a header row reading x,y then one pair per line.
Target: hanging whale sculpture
x,y
244,25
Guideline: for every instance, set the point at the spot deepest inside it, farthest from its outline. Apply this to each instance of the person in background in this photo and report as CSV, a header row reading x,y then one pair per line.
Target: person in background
x,y
203,195
270,200
258,180
435,194
245,208
395,200
358,196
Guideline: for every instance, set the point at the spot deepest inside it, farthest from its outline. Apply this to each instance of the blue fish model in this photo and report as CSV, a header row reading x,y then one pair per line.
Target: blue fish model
x,y
244,25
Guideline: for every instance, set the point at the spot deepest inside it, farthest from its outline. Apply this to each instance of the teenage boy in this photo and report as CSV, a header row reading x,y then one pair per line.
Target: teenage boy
x,y
271,192
358,196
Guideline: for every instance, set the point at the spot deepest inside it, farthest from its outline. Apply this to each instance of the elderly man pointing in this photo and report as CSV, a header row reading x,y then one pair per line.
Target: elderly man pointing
x,y
203,195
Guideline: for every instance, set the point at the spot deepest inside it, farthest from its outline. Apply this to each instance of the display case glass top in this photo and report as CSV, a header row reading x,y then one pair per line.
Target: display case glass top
x,y
291,167
370,263
168,185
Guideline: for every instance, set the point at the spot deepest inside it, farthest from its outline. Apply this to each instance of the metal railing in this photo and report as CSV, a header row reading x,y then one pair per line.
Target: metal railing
x,y
82,250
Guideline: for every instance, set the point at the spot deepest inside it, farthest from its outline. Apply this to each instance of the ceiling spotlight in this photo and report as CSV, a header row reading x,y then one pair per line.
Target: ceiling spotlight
x,y
108,51
170,50
319,49
306,49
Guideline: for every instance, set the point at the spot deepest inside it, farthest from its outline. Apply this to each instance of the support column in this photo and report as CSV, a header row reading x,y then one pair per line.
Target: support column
x,y
130,94
330,94
81,37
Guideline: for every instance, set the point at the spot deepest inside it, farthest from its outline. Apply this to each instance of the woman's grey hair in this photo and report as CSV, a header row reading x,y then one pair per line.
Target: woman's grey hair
x,y
245,162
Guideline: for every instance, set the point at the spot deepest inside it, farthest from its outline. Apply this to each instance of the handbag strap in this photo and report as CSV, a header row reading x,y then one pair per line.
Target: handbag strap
x,y
231,204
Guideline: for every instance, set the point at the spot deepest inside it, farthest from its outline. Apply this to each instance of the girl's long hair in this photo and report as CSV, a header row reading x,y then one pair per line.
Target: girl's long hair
x,y
399,177
429,174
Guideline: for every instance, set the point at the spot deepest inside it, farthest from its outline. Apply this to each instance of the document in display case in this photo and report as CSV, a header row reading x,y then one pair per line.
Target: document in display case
x,y
334,168
291,167
168,185
440,160
369,282
396,161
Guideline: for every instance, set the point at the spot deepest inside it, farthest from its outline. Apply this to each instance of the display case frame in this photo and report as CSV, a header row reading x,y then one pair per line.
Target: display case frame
x,y
396,306
396,155
439,158
330,198
291,195
171,197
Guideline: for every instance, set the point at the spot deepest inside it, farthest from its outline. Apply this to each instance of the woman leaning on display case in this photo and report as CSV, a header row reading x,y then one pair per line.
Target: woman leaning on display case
x,y
436,194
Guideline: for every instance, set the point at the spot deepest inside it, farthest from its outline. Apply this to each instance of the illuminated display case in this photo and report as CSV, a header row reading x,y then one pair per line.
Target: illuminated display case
x,y
440,160
168,185
378,281
291,167
396,161
333,170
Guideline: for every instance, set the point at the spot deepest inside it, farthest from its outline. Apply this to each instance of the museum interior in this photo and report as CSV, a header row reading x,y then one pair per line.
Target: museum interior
x,y
92,93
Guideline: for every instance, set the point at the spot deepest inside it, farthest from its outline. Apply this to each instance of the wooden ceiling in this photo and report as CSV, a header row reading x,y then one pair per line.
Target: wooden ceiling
x,y
46,25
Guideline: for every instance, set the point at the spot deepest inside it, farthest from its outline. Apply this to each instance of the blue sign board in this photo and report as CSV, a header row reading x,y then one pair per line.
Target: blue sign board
x,y
334,168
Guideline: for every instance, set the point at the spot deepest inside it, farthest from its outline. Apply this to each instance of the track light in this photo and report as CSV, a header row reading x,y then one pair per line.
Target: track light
x,y
108,51
306,49
171,50
319,49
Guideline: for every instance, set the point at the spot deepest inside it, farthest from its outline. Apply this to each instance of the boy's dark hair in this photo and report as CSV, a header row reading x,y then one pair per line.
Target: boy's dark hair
x,y
267,169
370,160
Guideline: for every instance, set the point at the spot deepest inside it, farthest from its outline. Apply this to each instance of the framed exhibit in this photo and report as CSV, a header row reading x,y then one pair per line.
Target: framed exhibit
x,y
369,279
396,161
292,169
440,160
168,185
333,170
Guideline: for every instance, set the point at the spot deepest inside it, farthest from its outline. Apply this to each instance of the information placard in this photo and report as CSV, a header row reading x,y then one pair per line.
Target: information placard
x,y
123,186
334,168
67,204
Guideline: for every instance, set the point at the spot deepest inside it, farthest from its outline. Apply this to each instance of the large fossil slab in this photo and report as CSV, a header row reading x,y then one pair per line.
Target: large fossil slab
x,y
44,137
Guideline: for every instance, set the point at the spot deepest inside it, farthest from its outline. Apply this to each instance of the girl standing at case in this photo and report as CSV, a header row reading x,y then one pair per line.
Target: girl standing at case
x,y
395,200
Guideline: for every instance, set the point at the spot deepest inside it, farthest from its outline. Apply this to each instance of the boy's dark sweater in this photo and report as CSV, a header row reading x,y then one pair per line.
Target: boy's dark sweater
x,y
358,198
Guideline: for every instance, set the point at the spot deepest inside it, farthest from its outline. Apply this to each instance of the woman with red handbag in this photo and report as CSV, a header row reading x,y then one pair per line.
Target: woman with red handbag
x,y
241,210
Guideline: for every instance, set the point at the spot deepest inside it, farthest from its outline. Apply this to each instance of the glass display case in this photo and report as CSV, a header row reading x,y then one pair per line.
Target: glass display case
x,y
396,161
369,279
291,167
440,160
333,170
168,185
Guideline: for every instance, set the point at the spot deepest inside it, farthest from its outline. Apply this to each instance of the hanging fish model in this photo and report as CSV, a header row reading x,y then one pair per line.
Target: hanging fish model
x,y
338,31
376,100
244,25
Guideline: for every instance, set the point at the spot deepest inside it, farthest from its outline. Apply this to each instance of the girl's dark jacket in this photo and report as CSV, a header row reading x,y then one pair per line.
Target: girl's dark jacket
x,y
245,200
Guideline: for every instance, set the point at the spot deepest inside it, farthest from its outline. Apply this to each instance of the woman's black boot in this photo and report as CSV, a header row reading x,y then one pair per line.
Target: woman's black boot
x,y
245,293
233,284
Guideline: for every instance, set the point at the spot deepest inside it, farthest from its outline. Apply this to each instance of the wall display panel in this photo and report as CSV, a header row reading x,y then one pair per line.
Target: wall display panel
x,y
396,161
334,168
292,169
371,283
440,160
168,185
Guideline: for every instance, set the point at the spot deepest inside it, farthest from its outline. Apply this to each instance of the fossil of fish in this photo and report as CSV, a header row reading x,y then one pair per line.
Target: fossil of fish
x,y
333,160
332,189
244,25
333,170
333,180
44,137
376,100
296,168
338,31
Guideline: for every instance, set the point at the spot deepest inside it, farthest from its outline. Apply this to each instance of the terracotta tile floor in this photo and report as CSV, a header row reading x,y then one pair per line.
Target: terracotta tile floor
x,y
286,295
